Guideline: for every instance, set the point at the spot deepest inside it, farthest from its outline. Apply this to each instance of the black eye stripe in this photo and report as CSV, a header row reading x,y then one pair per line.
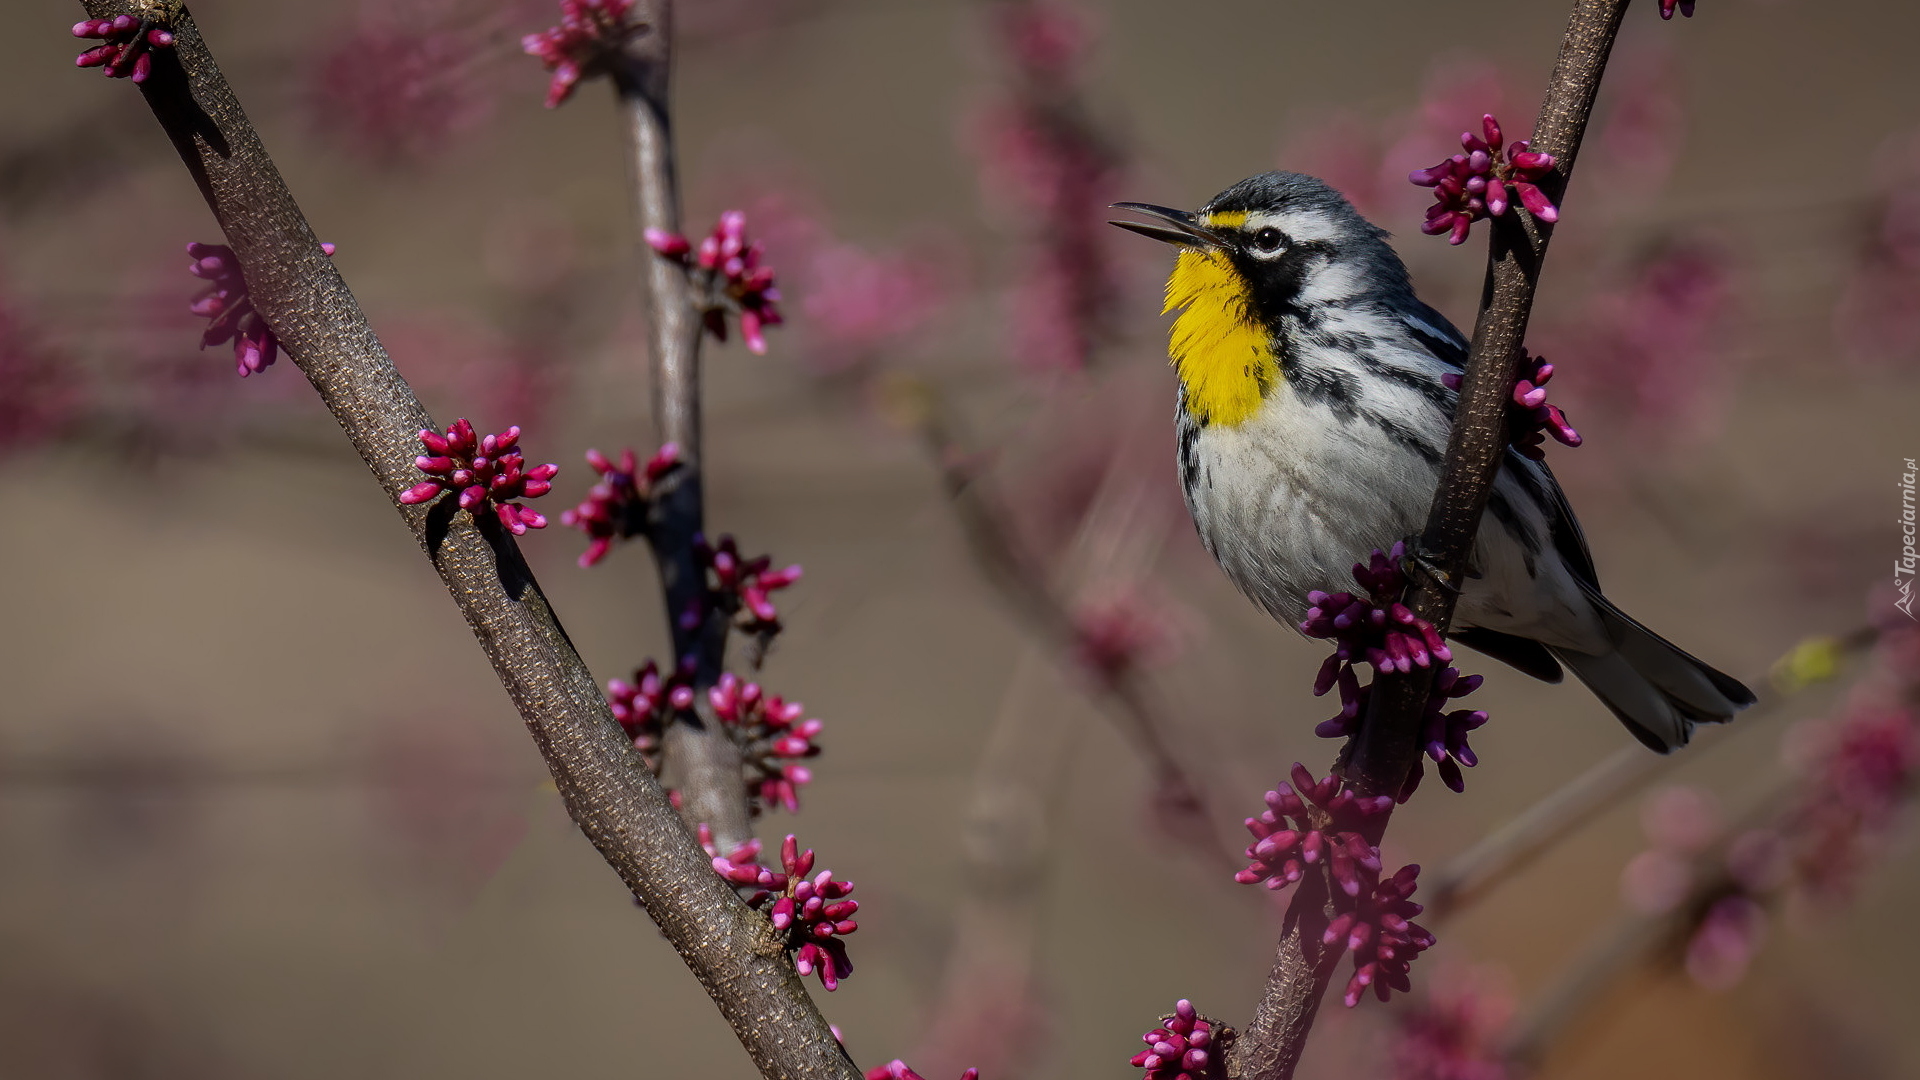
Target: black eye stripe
x,y
1268,239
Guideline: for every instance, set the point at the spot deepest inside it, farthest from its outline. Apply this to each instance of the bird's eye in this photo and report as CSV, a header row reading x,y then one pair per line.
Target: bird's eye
x,y
1267,239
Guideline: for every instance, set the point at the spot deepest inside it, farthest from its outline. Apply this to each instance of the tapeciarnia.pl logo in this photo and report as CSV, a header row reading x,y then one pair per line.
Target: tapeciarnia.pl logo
x,y
1903,567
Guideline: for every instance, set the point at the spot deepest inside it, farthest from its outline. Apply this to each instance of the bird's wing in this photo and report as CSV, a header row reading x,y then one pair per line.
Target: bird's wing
x,y
1562,527
1435,334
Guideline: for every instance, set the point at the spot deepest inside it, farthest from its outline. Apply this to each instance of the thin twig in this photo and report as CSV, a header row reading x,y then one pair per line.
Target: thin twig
x,y
608,791
706,763
1382,755
1126,697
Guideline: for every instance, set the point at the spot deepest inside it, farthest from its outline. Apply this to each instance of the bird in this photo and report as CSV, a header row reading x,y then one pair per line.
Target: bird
x,y
1312,421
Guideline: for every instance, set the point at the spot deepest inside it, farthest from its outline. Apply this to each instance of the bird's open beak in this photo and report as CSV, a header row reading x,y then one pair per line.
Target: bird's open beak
x,y
1179,228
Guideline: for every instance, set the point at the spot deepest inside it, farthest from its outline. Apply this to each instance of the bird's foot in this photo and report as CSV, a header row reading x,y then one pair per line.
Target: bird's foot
x,y
1419,558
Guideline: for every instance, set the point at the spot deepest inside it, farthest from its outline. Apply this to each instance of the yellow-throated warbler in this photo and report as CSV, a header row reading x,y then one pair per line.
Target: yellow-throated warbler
x,y
1313,417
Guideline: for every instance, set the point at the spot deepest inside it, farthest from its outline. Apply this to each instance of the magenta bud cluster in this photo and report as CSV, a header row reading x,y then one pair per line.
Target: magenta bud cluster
x,y
126,45
1380,933
1472,185
616,507
1311,824
744,586
1298,831
486,471
1443,732
230,310
898,1070
1531,418
589,33
1381,631
1667,8
1186,1046
773,738
643,706
813,912
729,270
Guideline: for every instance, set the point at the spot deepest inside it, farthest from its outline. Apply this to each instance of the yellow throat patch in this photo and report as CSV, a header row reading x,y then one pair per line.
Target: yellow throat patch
x,y
1224,357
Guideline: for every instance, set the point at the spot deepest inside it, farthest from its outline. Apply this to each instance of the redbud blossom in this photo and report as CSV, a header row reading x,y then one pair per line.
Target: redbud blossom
x,y
230,310
589,34
1667,6
1383,632
1443,733
1530,419
1386,634
898,1070
485,471
726,271
616,507
128,41
1473,185
1383,940
644,706
773,740
741,586
812,912
1186,1046
1297,831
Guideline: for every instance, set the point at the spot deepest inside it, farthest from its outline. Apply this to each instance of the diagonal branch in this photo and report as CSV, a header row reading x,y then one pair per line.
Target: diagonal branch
x,y
608,791
707,765
1514,846
1126,695
1384,752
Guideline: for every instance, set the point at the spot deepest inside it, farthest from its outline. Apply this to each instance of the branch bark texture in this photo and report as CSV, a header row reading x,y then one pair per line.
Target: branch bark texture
x,y
608,790
705,761
1384,752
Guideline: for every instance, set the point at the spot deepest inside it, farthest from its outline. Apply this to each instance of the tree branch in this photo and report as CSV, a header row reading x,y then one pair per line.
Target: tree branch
x,y
706,762
608,791
1383,754
1126,696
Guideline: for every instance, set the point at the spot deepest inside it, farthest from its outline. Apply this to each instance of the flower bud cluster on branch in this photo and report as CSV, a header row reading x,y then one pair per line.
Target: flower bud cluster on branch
x,y
230,310
127,44
1473,185
1315,826
773,737
589,34
1374,627
616,507
1530,419
812,912
486,471
728,273
1186,1046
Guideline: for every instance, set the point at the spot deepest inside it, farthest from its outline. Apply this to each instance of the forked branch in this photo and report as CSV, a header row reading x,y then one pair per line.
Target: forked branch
x,y
607,788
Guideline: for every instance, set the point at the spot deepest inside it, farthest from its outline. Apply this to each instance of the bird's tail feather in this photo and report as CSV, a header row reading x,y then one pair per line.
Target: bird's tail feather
x,y
1658,691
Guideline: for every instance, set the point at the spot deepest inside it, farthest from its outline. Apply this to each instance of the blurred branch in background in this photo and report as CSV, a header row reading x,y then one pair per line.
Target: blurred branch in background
x,y
1514,846
1702,891
1106,653
990,996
